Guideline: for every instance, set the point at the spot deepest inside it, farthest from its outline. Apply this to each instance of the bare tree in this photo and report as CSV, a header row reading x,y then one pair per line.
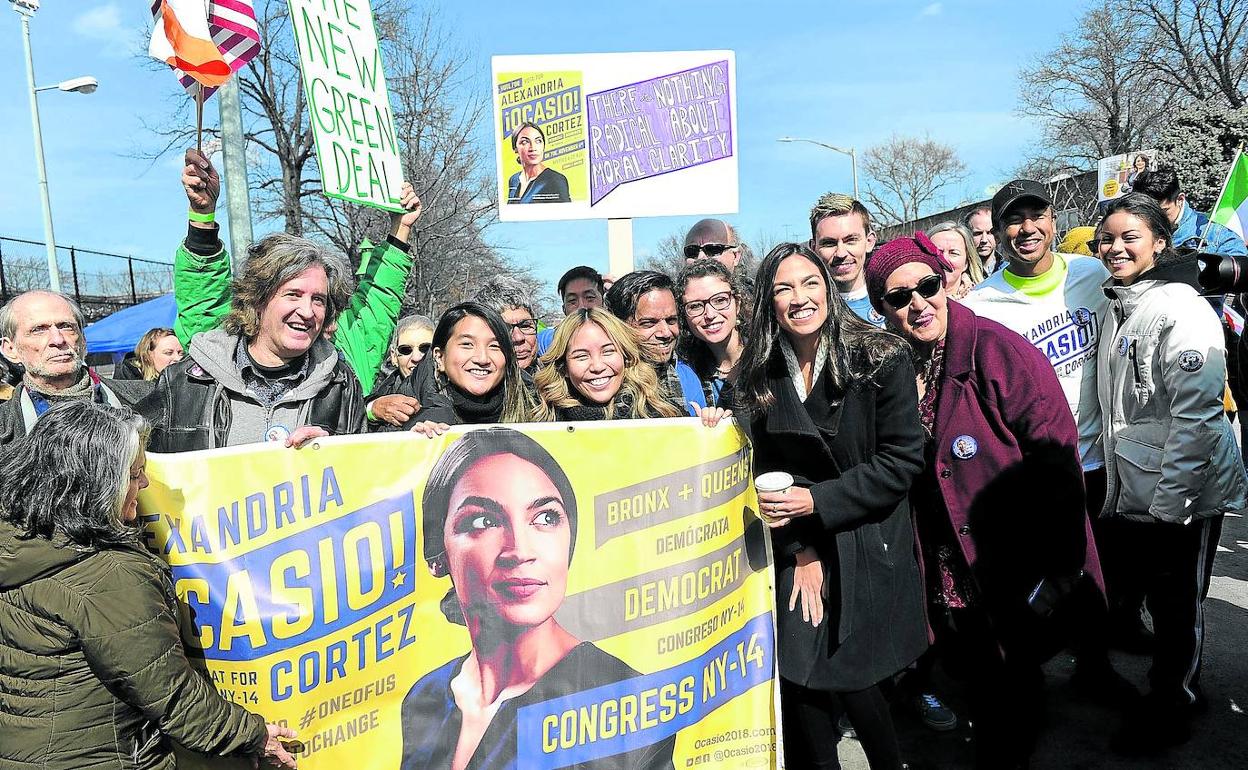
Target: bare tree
x,y
1198,47
1093,94
906,175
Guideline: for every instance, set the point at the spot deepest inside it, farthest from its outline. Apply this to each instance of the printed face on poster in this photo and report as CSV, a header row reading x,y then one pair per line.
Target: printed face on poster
x,y
1116,174
363,591
597,136
357,146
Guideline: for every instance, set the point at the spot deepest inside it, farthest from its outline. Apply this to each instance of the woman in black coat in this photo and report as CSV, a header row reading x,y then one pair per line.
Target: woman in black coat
x,y
831,400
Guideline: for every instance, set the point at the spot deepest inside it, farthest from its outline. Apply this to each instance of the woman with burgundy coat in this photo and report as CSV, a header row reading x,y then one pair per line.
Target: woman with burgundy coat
x,y
1004,536
831,401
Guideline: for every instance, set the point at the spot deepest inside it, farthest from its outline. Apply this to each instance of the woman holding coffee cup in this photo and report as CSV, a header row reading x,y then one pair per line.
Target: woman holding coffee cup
x,y
999,506
831,403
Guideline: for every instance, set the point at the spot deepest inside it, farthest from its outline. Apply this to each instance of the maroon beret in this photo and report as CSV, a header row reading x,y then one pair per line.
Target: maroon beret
x,y
897,252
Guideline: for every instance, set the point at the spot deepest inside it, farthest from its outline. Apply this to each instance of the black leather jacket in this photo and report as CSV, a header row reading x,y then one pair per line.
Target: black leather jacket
x,y
181,422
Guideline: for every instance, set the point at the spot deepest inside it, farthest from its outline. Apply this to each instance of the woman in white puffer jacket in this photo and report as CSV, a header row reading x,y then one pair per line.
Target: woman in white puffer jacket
x,y
1171,459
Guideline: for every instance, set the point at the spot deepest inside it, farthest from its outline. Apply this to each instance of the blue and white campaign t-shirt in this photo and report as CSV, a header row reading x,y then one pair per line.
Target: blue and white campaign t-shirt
x,y
860,303
1060,312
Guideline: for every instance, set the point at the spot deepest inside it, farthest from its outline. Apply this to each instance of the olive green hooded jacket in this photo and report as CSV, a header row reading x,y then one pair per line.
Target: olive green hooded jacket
x,y
92,670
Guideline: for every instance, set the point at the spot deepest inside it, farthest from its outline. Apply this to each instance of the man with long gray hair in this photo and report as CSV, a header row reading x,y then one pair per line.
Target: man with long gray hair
x,y
267,374
42,331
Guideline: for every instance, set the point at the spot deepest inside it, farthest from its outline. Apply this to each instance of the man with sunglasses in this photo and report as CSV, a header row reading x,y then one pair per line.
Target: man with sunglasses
x,y
1055,301
841,234
713,239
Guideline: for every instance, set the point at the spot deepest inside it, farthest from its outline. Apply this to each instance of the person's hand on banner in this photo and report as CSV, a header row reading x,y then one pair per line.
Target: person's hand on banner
x,y
808,586
305,434
275,754
394,409
710,415
202,185
401,224
430,429
780,507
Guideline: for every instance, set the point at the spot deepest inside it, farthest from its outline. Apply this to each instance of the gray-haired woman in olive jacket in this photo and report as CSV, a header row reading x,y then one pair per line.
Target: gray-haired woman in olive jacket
x,y
94,674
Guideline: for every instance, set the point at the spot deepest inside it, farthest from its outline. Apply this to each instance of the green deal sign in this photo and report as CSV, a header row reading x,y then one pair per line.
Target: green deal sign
x,y
352,124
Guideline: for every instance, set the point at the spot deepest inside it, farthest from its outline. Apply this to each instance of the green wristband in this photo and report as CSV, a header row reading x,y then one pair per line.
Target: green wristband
x,y
204,218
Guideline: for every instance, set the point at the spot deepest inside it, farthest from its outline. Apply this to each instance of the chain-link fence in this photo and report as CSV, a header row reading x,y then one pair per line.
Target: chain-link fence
x,y
101,282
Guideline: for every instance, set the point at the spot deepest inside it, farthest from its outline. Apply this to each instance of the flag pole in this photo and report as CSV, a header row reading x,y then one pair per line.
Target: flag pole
x,y
1229,170
199,118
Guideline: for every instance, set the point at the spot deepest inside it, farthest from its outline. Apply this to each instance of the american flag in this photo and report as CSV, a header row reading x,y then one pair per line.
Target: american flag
x,y
232,25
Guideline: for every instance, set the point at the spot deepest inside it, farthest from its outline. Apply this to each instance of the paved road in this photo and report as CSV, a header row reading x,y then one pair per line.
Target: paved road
x,y
1078,734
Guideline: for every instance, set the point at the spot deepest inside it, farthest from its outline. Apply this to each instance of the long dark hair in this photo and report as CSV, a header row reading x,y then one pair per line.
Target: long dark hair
x,y
517,403
856,350
1150,212
470,449
692,350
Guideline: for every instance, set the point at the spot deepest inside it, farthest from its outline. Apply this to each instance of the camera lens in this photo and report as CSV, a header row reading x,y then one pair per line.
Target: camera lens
x,y
1226,275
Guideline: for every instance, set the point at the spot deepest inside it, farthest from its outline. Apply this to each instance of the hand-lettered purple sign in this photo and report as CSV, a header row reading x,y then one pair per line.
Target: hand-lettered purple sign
x,y
658,126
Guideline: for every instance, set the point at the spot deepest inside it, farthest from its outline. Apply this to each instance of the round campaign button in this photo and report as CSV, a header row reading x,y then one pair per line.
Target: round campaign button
x,y
277,433
965,447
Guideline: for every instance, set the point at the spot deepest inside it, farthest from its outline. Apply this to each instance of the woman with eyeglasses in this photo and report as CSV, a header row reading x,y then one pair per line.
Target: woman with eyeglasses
x,y
391,403
476,380
831,401
999,507
712,318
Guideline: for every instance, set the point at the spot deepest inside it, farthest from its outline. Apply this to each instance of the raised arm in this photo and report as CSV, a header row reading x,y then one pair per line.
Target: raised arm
x,y
201,267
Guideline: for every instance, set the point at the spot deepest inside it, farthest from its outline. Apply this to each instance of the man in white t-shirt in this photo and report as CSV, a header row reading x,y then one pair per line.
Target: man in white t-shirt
x,y
1056,301
841,234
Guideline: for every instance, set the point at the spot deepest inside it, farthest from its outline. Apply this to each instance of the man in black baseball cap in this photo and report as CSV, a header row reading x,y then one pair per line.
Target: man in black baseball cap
x,y
1022,214
1055,301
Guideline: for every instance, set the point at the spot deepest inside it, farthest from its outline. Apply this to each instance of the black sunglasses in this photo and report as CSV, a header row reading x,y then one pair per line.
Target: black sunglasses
x,y
710,249
926,287
406,350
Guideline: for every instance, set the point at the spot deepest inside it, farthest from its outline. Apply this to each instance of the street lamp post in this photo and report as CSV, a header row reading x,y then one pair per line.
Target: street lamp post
x,y
85,85
853,155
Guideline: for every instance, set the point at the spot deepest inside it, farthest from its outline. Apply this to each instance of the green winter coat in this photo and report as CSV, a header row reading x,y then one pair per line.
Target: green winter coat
x,y
201,286
92,671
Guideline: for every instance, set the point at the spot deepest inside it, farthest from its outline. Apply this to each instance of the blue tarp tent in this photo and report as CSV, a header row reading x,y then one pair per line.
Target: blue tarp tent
x,y
120,332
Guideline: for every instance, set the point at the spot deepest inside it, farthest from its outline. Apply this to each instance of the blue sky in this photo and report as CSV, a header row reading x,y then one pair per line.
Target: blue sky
x,y
849,74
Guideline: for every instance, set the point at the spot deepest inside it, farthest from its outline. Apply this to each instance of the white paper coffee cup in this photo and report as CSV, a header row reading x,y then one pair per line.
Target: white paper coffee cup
x,y
775,481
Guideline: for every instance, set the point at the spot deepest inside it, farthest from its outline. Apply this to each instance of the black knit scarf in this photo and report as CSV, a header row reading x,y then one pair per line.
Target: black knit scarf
x,y
587,410
477,410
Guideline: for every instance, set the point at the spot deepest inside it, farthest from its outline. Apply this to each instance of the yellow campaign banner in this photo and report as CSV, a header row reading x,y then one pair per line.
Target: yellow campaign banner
x,y
591,595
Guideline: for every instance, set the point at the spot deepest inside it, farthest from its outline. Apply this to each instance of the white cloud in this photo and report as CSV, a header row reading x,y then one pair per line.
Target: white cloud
x,y
100,23
932,9
104,24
